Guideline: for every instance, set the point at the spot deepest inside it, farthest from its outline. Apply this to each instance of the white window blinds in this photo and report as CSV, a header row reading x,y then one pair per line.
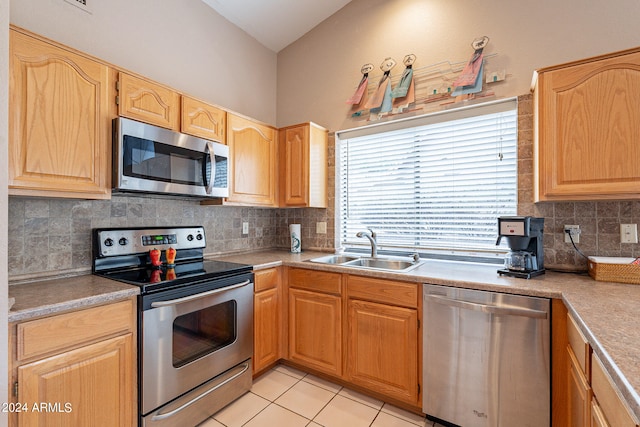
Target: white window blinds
x,y
432,182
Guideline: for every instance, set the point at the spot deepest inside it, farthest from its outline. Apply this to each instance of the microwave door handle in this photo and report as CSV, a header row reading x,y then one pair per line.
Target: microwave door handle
x,y
209,178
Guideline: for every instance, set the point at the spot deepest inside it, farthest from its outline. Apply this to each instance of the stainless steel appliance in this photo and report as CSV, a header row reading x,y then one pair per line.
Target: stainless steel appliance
x,y
486,358
195,322
524,235
151,159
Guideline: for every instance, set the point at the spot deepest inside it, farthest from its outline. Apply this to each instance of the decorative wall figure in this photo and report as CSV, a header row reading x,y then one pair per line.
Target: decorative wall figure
x,y
356,98
472,69
380,102
404,93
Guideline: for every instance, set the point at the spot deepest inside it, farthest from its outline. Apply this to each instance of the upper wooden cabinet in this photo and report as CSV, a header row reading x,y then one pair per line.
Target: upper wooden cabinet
x,y
587,140
149,102
303,166
59,120
252,170
203,120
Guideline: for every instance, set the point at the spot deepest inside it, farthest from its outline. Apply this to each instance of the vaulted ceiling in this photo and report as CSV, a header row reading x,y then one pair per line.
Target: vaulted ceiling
x,y
276,23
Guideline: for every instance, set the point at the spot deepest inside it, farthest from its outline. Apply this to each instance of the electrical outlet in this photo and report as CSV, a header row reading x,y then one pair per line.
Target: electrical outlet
x,y
574,231
245,228
321,228
628,233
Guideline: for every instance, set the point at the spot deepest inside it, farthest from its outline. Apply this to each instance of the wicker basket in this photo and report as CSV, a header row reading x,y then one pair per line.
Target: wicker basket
x,y
607,269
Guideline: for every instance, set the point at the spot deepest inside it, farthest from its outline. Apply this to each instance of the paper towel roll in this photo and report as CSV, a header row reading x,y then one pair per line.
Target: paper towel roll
x,y
296,243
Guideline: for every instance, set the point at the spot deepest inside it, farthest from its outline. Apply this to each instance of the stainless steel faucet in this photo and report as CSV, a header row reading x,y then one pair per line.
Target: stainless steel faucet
x,y
372,239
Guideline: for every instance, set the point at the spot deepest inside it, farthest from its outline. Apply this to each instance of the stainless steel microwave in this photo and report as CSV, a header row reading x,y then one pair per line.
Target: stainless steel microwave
x,y
151,159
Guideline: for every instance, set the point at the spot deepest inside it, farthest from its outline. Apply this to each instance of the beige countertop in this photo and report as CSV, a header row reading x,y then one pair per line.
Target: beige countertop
x,y
607,313
47,297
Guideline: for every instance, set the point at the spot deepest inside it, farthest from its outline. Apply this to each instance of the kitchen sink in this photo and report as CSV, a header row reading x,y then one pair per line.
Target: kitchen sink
x,y
379,263
334,259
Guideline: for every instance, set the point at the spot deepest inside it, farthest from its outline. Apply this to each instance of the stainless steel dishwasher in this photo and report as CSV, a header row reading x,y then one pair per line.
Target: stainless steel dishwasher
x,y
486,358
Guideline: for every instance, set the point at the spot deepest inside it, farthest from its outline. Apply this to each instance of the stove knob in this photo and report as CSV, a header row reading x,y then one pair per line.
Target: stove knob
x,y
108,241
199,236
190,237
123,241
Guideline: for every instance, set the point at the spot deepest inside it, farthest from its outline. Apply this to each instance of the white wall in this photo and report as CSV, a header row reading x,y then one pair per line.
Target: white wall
x,y
182,43
317,73
4,124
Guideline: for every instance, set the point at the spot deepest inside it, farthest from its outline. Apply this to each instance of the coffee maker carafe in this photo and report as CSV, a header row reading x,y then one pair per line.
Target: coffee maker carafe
x,y
524,237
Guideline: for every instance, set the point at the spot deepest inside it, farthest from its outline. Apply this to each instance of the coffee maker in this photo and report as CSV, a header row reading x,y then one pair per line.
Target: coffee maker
x,y
524,237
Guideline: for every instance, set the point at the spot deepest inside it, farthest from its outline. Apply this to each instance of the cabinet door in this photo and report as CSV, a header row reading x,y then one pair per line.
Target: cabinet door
x,y
597,417
579,401
315,330
294,166
303,166
203,120
382,349
252,149
587,130
89,386
149,102
59,121
266,329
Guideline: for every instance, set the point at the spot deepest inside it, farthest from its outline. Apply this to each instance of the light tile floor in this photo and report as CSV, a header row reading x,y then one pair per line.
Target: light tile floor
x,y
287,397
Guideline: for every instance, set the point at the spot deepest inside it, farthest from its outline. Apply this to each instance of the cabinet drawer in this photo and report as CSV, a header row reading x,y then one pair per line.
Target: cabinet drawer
x,y
315,280
383,291
579,345
265,279
612,405
42,336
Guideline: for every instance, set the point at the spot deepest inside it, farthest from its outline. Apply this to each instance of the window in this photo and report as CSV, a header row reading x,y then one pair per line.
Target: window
x,y
430,183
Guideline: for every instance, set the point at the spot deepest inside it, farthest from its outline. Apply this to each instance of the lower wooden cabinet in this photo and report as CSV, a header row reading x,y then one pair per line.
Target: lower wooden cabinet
x,y
315,330
89,386
267,319
361,330
382,337
611,410
579,393
382,349
75,369
315,319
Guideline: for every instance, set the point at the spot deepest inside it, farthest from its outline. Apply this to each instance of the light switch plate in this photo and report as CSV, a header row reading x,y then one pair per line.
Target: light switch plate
x,y
321,228
628,233
245,228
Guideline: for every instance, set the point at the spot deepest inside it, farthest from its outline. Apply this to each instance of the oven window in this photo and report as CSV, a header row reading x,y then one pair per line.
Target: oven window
x,y
202,332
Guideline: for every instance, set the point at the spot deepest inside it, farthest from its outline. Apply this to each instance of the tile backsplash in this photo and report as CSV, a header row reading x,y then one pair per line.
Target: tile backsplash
x,y
53,236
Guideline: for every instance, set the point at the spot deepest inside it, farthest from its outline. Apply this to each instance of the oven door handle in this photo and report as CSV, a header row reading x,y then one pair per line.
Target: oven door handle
x,y
198,296
158,416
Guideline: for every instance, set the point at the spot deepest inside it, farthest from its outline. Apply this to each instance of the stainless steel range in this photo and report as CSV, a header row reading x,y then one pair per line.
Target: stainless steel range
x,y
195,320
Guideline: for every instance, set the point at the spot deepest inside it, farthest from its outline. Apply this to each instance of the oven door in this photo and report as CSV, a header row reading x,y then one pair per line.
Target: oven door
x,y
188,339
156,160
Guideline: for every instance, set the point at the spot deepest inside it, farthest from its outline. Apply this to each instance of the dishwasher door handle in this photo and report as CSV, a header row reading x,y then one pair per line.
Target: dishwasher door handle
x,y
485,308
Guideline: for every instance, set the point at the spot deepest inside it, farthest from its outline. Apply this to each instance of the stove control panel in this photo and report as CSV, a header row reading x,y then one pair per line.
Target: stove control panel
x,y
120,241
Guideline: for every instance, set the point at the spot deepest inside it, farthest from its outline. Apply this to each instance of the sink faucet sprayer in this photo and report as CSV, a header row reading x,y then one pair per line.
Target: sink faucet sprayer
x,y
372,239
